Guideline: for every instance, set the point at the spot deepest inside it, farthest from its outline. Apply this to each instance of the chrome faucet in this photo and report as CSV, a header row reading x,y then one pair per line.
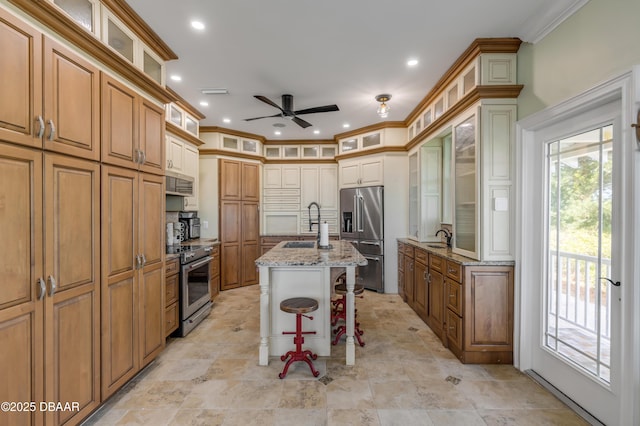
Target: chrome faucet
x,y
447,235
313,203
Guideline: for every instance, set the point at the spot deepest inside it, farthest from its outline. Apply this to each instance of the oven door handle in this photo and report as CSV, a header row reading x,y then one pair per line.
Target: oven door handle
x,y
199,263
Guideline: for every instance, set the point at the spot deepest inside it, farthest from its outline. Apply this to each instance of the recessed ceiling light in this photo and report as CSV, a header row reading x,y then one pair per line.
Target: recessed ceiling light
x,y
197,25
204,103
217,91
316,132
412,62
277,133
226,120
176,78
346,125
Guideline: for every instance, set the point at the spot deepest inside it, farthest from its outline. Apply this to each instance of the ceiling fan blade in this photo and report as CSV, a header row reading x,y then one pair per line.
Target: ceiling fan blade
x,y
268,101
300,122
326,108
266,116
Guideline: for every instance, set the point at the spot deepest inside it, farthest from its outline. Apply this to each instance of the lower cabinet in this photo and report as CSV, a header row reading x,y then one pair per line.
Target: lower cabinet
x,y
214,283
468,306
171,296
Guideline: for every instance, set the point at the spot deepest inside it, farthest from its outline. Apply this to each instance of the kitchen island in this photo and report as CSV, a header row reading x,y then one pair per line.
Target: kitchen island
x,y
299,269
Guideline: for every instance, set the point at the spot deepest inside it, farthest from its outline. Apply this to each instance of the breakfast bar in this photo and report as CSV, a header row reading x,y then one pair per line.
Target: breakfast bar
x,y
301,269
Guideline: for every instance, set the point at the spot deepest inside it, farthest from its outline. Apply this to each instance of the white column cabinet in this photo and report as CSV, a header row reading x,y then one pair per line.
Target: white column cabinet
x,y
191,161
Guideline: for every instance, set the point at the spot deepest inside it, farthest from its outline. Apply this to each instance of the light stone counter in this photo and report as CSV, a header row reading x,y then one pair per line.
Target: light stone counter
x,y
304,272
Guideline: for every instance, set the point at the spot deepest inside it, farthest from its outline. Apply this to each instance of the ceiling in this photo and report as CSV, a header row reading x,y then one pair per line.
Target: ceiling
x,y
327,52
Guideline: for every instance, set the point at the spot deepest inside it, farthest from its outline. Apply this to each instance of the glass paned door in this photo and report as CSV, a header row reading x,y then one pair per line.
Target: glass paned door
x,y
577,298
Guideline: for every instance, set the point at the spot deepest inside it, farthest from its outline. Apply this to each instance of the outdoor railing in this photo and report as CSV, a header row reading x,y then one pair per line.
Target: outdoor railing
x,y
580,283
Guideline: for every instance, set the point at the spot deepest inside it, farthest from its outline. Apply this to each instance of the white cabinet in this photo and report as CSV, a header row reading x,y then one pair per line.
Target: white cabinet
x,y
277,176
175,154
427,183
319,183
191,161
361,142
183,157
361,172
483,222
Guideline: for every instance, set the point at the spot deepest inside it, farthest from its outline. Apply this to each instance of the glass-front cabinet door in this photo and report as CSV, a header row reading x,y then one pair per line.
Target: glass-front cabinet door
x,y
465,188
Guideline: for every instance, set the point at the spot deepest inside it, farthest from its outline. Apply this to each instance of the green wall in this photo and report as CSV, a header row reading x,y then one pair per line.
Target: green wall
x,y
598,42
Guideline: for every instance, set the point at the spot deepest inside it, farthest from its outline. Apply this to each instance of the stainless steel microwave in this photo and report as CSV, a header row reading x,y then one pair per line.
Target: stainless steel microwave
x,y
177,184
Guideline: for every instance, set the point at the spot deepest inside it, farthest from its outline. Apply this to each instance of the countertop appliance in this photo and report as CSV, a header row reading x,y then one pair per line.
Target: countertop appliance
x,y
195,274
362,223
192,224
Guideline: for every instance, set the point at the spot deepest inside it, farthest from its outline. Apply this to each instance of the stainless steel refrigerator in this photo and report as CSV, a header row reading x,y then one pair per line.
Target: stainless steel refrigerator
x,y
362,223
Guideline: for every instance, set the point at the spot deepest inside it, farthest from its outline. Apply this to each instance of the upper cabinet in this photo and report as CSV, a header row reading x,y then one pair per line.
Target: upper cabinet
x,y
366,171
182,119
132,129
361,142
50,96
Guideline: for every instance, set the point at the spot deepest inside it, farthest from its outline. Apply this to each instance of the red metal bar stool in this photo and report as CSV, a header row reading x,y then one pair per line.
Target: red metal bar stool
x,y
339,312
299,306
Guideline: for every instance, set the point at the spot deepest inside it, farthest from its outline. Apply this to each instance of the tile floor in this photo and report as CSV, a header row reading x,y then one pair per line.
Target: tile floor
x,y
403,376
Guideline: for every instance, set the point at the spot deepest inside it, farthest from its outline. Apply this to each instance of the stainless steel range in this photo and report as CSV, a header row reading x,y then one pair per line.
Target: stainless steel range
x,y
195,297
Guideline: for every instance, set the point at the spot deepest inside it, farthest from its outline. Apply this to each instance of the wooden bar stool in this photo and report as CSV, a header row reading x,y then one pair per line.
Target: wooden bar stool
x,y
299,306
339,312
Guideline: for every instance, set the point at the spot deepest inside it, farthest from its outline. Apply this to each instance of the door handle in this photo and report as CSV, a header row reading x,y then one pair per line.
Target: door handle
x,y
52,286
53,130
617,283
43,289
40,126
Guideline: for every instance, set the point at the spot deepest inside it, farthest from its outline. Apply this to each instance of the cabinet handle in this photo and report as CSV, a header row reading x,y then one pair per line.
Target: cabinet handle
x,y
43,289
144,259
52,286
171,161
144,157
40,126
451,296
53,130
451,271
138,261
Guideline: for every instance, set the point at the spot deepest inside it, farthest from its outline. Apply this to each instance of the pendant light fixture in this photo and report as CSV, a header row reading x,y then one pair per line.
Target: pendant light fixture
x,y
383,108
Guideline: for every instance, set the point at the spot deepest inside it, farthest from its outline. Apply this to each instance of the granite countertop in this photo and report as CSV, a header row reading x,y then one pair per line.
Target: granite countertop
x,y
341,254
448,254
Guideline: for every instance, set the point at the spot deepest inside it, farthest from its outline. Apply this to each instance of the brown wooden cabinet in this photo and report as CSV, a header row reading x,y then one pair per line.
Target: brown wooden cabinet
x,y
468,306
483,331
132,278
172,289
50,96
49,306
401,290
214,283
239,223
435,296
420,283
132,129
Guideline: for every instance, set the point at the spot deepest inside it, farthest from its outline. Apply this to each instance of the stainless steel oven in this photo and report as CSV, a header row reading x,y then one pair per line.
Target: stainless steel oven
x,y
195,297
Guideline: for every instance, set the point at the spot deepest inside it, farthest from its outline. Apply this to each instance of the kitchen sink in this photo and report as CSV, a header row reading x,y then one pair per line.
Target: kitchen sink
x,y
300,244
436,245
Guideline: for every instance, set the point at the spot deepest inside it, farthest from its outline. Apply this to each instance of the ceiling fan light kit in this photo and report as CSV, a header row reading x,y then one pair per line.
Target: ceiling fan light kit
x,y
383,108
286,111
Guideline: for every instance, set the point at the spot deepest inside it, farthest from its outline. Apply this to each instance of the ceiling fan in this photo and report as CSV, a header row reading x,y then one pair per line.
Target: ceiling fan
x,y
287,110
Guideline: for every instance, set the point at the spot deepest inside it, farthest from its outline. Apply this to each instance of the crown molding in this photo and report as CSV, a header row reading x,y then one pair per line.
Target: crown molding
x,y
231,154
300,142
181,133
53,18
182,103
370,128
379,150
476,94
133,21
479,46
218,129
301,161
